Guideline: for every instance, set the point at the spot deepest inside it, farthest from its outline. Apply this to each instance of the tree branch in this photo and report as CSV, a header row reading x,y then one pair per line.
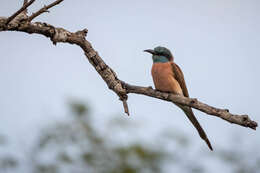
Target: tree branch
x,y
109,76
24,7
242,120
43,9
25,2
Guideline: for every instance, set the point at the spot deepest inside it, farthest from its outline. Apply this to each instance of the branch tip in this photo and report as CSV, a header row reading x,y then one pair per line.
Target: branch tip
x,y
43,10
82,33
125,105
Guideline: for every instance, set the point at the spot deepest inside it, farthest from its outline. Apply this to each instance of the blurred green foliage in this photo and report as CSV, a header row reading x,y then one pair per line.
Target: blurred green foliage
x,y
78,145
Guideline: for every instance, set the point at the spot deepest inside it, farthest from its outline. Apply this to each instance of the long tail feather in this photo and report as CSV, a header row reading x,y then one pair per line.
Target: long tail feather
x,y
188,111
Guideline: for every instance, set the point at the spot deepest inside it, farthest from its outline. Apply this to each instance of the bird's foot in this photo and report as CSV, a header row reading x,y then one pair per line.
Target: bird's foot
x,y
150,87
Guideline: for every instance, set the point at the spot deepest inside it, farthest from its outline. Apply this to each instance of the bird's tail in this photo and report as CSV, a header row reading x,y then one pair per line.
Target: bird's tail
x,y
188,111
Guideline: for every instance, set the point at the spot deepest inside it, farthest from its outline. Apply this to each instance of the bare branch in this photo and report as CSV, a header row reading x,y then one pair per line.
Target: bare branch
x,y
25,2
109,76
242,120
124,100
43,10
24,7
126,107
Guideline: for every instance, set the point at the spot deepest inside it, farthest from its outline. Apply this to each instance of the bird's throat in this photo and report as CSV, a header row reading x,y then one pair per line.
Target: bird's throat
x,y
160,59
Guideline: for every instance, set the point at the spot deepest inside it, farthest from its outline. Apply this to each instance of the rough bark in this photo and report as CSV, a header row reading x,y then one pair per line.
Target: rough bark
x,y
20,22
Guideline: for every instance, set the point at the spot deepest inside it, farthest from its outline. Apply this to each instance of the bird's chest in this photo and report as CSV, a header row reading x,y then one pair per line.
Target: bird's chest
x,y
163,78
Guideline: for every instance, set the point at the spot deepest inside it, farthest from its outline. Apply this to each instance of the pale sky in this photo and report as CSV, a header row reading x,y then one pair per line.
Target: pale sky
x,y
216,43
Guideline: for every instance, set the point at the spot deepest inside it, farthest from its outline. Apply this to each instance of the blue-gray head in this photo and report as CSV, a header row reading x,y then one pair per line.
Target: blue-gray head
x,y
160,54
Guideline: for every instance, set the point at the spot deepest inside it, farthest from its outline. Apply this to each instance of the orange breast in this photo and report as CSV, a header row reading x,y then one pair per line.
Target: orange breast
x,y
163,78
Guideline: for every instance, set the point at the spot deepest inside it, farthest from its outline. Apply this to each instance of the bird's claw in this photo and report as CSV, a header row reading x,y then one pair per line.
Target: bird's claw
x,y
150,87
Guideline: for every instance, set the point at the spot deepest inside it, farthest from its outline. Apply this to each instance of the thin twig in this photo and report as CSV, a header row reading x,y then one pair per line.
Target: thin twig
x,y
25,2
9,19
43,9
124,100
126,107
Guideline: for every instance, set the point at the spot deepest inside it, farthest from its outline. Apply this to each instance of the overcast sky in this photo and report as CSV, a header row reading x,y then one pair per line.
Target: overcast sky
x,y
216,43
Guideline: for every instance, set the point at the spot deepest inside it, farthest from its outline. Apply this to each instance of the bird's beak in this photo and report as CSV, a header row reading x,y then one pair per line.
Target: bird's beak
x,y
151,51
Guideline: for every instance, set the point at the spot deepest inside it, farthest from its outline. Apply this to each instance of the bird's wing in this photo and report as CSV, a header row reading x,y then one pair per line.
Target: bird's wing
x,y
178,75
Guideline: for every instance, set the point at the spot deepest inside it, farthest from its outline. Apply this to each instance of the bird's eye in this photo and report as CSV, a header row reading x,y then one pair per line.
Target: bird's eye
x,y
164,54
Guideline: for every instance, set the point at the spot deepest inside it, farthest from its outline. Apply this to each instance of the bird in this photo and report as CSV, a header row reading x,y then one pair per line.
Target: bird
x,y
168,77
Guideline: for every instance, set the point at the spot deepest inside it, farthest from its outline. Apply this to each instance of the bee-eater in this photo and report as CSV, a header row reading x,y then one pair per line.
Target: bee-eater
x,y
168,77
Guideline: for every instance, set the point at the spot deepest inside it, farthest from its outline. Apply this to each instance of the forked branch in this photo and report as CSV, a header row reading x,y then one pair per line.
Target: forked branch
x,y
121,88
24,7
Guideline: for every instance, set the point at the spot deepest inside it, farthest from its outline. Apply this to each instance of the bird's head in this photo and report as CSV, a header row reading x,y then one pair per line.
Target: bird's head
x,y
160,54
